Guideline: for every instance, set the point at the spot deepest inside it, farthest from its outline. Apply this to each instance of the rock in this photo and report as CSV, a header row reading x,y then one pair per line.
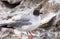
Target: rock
x,y
12,10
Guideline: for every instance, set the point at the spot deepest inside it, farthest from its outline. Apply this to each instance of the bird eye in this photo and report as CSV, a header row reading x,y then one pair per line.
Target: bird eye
x,y
36,13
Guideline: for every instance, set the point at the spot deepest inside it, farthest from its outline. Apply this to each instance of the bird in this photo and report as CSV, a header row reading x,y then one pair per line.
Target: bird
x,y
26,23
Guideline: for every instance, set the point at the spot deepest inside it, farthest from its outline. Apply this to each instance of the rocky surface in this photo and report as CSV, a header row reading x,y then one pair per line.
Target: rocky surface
x,y
49,30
